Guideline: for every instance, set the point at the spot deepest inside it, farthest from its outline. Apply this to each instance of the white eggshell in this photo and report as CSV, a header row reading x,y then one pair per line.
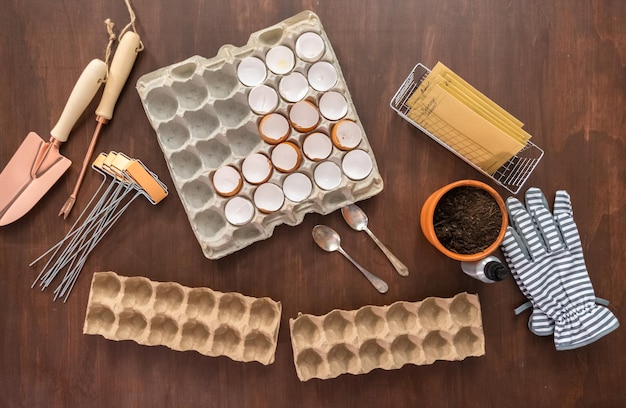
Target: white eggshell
x,y
280,59
239,211
357,164
262,99
293,87
297,187
322,76
333,105
310,47
251,71
327,175
269,197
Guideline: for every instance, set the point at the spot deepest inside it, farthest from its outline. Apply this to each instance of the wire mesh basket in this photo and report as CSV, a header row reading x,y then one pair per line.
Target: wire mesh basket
x,y
511,175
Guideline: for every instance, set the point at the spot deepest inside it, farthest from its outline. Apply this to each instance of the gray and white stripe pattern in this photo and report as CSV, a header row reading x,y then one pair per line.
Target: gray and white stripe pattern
x,y
544,253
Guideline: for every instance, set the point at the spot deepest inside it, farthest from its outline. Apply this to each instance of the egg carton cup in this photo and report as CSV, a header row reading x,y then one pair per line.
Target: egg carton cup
x,y
212,323
387,337
200,112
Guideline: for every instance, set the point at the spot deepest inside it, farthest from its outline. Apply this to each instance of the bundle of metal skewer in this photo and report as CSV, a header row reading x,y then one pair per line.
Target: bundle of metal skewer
x,y
124,180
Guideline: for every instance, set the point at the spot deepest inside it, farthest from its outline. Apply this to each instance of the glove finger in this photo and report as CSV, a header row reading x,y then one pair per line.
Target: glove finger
x,y
569,232
528,232
513,205
548,229
514,248
535,199
563,204
564,215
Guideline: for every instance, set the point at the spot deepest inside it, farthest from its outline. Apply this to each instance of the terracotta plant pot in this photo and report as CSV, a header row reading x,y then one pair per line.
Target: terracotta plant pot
x,y
428,212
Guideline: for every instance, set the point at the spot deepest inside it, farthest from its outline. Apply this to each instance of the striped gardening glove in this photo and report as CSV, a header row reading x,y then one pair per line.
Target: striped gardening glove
x,y
544,253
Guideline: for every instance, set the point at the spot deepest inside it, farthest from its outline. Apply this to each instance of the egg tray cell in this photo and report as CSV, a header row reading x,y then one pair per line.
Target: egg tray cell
x,y
200,112
212,323
387,337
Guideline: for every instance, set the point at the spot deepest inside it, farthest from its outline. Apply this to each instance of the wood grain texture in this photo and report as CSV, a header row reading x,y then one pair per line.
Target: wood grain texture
x,y
558,66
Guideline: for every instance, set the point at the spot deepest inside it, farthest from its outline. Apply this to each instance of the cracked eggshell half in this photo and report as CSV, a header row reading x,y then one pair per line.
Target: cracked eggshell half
x,y
310,47
304,116
286,157
346,134
274,128
239,211
317,146
333,105
262,99
251,71
256,168
268,197
280,59
227,181
297,187
293,87
327,175
322,76
357,165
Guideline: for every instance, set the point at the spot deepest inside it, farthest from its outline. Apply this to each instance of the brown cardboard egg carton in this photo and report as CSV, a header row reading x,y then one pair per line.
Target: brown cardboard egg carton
x,y
212,323
202,119
387,337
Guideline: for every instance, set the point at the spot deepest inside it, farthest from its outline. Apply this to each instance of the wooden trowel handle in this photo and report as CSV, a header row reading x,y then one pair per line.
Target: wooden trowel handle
x,y
122,63
82,94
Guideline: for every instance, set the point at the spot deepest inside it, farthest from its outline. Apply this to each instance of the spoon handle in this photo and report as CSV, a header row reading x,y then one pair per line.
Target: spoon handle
x,y
400,267
378,283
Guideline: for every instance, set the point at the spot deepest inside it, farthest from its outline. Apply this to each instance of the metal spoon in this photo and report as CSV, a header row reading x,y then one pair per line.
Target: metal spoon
x,y
328,239
357,219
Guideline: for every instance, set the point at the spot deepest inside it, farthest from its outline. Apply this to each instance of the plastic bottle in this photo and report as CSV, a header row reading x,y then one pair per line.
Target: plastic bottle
x,y
488,270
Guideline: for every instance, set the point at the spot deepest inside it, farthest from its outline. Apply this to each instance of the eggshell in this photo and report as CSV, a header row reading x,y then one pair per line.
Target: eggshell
x,y
251,71
357,165
322,76
262,99
304,116
227,181
280,59
327,175
274,128
239,211
286,157
346,134
297,187
269,197
317,146
333,105
256,168
293,87
310,47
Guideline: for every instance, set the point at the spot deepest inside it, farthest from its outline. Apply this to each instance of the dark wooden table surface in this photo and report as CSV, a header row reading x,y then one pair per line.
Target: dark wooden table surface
x,y
559,66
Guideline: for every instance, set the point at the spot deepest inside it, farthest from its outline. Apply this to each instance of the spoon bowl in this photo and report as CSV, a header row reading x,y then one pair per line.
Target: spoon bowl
x,y
357,219
329,240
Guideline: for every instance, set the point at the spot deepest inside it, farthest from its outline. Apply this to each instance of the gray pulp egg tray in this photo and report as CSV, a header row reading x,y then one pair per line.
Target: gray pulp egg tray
x,y
199,110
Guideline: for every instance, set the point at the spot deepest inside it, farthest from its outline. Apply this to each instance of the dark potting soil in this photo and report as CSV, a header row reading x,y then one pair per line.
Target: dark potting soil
x,y
467,220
